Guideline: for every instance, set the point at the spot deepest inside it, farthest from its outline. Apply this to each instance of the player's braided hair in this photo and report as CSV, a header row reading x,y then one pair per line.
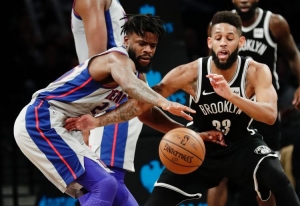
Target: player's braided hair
x,y
141,23
229,18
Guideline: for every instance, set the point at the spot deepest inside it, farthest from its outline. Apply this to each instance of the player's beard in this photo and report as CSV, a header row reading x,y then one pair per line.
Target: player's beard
x,y
245,16
138,66
231,59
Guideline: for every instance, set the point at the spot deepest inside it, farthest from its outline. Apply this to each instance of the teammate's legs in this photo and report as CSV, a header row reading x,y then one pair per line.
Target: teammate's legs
x,y
217,196
99,185
286,161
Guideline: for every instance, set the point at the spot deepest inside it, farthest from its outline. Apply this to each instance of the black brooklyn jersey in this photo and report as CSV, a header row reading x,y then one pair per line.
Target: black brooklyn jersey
x,y
260,44
213,112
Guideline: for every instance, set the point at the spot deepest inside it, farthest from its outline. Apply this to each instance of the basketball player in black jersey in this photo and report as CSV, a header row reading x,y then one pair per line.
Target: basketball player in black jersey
x,y
228,92
265,34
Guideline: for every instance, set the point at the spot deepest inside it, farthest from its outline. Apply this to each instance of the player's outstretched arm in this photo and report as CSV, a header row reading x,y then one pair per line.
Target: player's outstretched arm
x,y
123,113
122,71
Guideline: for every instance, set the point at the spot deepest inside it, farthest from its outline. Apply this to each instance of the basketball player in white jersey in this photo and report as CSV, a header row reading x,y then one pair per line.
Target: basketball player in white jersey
x,y
94,86
96,27
265,34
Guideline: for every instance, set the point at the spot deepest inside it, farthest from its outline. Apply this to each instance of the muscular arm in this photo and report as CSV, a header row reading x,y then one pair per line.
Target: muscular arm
x,y
92,14
258,82
265,108
135,87
281,31
158,120
182,77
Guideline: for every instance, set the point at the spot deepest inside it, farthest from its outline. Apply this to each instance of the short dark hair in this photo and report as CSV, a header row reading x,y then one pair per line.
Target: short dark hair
x,y
229,18
141,23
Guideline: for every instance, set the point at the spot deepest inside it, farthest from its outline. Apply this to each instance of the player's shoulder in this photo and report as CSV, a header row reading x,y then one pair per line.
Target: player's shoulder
x,y
277,20
116,53
257,68
188,67
114,57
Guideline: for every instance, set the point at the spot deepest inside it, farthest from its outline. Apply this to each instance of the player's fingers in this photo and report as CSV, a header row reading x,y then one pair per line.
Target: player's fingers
x,y
217,77
221,82
186,116
188,109
69,125
211,75
71,119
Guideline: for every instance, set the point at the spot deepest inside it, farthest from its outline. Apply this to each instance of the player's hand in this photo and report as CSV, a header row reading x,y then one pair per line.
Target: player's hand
x,y
296,101
179,110
213,136
84,122
220,85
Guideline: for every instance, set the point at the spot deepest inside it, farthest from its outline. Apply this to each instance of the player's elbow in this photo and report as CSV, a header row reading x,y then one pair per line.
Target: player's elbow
x,y
271,118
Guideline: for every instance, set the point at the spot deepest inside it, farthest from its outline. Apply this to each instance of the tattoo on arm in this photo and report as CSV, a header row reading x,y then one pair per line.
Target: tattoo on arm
x,y
123,113
144,93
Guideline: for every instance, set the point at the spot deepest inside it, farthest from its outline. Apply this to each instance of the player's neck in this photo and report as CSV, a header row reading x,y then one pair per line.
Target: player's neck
x,y
246,23
227,74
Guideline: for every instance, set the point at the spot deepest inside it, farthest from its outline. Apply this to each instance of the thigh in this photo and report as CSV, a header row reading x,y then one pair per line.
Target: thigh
x,y
245,161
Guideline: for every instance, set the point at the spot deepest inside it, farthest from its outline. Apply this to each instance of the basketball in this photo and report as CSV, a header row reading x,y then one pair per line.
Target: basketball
x,y
181,150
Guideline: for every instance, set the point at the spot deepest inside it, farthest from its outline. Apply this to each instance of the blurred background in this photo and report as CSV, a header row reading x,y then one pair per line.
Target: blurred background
x,y
38,47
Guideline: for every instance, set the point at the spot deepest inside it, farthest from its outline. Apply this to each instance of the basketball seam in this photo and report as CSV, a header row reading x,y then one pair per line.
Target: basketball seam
x,y
203,149
184,149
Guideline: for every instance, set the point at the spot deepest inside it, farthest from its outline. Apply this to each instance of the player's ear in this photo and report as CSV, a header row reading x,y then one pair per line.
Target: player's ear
x,y
126,41
242,41
209,42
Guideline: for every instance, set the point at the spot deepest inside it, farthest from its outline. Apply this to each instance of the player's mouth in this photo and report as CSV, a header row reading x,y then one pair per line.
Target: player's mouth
x,y
145,60
244,9
223,54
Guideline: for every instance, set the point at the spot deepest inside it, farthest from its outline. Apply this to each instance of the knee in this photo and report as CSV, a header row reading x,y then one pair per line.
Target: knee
x,y
271,174
109,183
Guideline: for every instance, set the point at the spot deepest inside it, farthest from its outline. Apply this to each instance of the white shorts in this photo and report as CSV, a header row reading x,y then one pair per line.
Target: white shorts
x,y
57,153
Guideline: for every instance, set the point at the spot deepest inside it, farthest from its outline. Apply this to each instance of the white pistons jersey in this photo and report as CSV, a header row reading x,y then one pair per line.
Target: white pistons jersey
x,y
113,27
76,93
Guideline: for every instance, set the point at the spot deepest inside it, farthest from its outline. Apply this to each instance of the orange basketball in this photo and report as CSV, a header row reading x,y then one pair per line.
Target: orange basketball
x,y
181,150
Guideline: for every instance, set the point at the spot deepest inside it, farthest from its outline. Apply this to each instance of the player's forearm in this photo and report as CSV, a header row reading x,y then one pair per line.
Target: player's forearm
x,y
260,111
123,113
158,120
143,93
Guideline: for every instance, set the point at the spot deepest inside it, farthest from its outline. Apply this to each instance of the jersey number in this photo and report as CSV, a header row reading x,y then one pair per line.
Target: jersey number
x,y
223,126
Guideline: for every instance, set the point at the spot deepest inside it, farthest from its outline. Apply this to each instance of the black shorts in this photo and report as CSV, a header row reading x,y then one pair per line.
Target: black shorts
x,y
238,163
270,133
